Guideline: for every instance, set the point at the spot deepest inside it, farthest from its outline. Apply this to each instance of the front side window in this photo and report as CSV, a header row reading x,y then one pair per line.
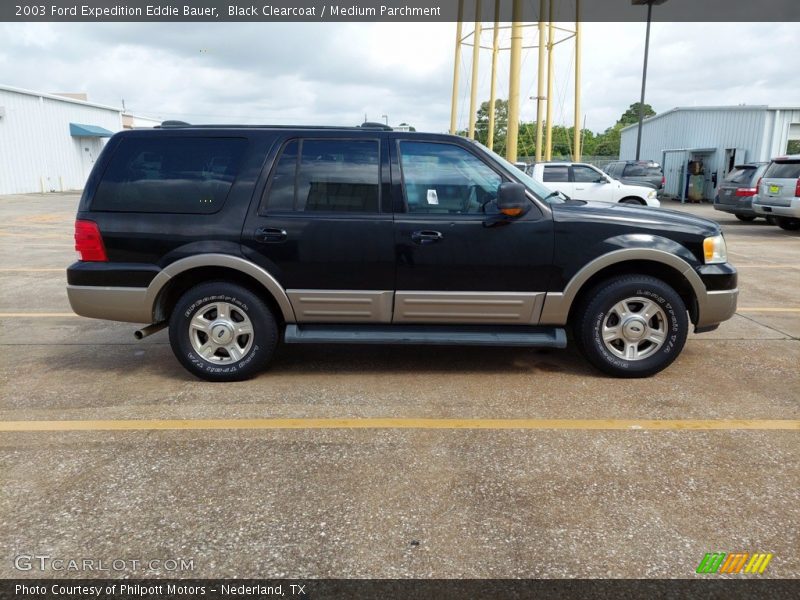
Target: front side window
x,y
170,175
326,176
556,173
446,179
586,174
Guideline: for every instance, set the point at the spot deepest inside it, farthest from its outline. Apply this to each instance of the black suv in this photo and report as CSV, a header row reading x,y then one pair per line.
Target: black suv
x,y
237,237
637,172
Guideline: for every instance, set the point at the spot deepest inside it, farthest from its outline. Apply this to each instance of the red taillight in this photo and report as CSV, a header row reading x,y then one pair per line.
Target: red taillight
x,y
758,184
89,242
663,181
797,189
746,191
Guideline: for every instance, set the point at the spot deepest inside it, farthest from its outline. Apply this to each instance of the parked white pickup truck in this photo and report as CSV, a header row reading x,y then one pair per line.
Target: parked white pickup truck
x,y
581,181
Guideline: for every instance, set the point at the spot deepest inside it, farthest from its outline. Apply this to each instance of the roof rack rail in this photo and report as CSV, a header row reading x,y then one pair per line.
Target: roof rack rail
x,y
372,125
175,124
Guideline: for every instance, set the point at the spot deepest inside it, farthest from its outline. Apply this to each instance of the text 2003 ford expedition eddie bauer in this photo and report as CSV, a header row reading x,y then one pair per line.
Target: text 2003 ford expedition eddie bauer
x,y
237,237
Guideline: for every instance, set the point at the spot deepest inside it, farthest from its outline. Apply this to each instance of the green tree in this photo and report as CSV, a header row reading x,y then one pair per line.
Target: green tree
x,y
500,124
631,115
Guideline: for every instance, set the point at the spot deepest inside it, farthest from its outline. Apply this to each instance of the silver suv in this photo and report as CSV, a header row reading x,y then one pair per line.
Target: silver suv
x,y
779,192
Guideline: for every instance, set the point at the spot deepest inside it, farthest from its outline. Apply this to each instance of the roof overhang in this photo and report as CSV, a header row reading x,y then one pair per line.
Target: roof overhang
x,y
80,130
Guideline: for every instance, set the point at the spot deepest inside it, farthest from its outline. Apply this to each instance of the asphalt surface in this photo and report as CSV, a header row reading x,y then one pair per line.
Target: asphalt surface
x,y
382,501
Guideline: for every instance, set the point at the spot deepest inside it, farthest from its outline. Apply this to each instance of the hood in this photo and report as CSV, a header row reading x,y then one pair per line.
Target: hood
x,y
660,219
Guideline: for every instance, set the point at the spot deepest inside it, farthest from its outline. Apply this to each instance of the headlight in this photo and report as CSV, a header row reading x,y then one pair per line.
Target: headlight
x,y
652,194
714,250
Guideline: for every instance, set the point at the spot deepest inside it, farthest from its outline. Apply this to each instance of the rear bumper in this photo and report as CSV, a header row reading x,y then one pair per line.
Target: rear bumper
x,y
112,303
763,207
744,208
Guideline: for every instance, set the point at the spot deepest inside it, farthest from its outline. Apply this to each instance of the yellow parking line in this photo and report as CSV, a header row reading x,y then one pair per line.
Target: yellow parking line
x,y
22,315
33,270
740,266
762,309
392,423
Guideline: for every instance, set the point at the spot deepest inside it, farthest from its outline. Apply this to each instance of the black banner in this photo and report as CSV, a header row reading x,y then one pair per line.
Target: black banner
x,y
396,10
390,589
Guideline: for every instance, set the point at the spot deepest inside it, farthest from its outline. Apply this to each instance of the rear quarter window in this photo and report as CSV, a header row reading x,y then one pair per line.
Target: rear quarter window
x,y
783,170
191,175
641,171
740,175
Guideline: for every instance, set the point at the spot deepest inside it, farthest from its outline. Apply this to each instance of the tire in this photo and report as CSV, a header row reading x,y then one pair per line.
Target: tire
x,y
745,218
633,201
630,354
789,224
195,322
772,220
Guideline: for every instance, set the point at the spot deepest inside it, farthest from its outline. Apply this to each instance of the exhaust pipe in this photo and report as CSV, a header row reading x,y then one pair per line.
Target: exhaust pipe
x,y
142,333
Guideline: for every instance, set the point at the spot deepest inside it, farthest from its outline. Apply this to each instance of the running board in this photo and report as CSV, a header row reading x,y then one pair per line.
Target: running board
x,y
449,335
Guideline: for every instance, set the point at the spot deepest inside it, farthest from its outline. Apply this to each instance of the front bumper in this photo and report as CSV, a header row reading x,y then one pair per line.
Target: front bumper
x,y
716,307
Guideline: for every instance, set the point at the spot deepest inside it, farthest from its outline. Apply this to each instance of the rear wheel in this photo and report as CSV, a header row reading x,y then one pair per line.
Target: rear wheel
x,y
631,326
745,218
221,331
789,224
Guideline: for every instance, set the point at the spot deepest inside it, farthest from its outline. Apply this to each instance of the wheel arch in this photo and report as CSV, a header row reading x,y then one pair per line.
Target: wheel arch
x,y
165,289
559,307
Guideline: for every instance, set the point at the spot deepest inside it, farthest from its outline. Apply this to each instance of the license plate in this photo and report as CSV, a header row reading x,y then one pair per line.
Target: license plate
x,y
774,189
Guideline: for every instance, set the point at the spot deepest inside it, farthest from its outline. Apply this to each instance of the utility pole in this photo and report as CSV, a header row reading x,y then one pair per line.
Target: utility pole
x,y
548,143
540,83
650,4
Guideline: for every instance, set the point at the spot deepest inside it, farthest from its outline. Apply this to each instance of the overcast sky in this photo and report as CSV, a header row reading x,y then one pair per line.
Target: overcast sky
x,y
334,73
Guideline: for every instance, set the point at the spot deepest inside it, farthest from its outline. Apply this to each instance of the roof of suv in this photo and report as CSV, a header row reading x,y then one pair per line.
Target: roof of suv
x,y
184,125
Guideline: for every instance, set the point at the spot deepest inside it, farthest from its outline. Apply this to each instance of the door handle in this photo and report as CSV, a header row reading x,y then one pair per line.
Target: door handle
x,y
270,235
426,237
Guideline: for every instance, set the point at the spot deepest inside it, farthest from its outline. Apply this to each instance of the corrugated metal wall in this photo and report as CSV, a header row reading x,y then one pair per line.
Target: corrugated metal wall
x,y
36,149
760,131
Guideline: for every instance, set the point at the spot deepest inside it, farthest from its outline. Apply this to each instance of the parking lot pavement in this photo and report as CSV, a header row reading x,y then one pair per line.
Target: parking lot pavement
x,y
426,501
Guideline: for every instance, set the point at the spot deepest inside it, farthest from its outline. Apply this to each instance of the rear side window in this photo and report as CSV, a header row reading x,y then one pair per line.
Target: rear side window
x,y
783,170
556,174
741,175
189,175
326,176
641,171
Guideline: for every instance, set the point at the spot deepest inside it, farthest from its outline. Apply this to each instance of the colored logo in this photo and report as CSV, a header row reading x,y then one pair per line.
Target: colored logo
x,y
738,562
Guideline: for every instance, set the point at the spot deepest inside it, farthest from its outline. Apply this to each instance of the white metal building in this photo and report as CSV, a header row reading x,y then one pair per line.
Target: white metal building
x,y
50,142
718,136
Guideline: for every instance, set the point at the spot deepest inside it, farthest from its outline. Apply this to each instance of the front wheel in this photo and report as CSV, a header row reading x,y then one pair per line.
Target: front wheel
x,y
632,326
221,331
633,202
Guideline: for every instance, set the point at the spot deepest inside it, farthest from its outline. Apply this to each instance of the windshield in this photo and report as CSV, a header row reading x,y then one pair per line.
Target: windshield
x,y
536,188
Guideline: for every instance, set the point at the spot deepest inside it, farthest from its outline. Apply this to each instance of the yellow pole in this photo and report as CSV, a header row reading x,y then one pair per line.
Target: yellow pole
x,y
492,89
578,131
513,83
456,69
540,84
473,85
548,143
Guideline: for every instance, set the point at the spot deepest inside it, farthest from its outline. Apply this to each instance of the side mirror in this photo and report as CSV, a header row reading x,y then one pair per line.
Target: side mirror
x,y
511,199
602,180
